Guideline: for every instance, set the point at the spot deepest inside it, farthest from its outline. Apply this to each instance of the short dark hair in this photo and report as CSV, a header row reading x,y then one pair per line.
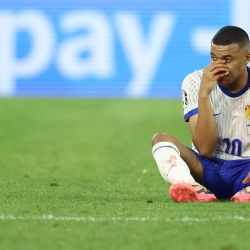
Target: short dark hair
x,y
229,35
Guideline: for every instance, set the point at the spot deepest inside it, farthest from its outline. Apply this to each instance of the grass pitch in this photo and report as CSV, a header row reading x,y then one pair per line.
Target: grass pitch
x,y
78,174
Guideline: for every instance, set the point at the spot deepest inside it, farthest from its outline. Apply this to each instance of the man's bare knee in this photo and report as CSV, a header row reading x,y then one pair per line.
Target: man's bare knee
x,y
161,137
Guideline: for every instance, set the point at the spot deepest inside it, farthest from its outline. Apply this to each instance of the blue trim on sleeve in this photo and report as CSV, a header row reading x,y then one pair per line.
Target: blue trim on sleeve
x,y
190,113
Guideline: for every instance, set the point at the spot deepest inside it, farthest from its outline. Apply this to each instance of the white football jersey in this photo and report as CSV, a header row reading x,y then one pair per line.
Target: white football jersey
x,y
231,111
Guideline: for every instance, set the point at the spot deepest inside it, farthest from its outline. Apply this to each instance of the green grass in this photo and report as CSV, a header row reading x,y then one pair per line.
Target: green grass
x,y
91,160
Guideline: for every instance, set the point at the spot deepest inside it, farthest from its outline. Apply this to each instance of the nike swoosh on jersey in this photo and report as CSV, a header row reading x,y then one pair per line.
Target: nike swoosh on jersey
x,y
217,114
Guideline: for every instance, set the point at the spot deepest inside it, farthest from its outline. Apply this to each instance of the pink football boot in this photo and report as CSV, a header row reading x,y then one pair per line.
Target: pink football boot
x,y
184,192
242,196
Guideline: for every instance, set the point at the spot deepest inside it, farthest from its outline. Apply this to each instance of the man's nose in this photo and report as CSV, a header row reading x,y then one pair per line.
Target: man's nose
x,y
220,60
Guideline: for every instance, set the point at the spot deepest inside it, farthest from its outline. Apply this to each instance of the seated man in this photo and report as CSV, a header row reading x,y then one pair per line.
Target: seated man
x,y
216,103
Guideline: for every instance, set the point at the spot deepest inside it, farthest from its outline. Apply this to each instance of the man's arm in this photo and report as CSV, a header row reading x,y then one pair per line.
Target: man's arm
x,y
247,179
203,125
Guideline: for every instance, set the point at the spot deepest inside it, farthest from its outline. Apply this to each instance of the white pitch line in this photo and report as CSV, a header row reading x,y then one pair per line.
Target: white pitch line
x,y
50,217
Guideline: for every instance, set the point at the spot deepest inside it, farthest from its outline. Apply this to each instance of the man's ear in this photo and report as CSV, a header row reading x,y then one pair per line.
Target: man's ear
x,y
247,58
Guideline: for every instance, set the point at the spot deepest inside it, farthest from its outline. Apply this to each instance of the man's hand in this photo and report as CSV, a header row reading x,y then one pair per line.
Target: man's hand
x,y
205,138
247,178
210,75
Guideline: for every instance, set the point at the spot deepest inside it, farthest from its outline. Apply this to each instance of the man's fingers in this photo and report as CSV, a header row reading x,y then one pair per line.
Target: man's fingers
x,y
213,66
217,73
247,179
219,70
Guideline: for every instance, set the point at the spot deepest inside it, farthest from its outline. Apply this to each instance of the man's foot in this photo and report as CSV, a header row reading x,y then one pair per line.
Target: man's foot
x,y
242,196
184,192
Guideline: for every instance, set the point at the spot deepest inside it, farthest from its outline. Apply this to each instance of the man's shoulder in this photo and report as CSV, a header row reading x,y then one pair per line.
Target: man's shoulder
x,y
193,77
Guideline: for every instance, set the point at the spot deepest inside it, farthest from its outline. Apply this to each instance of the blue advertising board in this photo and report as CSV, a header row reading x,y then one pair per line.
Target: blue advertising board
x,y
104,48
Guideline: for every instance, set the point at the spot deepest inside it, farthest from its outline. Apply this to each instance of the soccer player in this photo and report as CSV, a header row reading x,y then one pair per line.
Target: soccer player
x,y
216,102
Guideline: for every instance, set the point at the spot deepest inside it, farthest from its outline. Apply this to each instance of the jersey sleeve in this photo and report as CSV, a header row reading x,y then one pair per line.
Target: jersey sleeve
x,y
190,90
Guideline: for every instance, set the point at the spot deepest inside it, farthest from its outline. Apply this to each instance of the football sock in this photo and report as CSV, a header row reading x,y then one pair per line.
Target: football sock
x,y
172,167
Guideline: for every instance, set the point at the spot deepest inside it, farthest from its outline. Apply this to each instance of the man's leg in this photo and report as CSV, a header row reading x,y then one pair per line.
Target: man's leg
x,y
187,157
179,166
243,183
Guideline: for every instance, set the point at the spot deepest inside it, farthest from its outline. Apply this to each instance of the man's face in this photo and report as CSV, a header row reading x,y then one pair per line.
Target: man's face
x,y
233,57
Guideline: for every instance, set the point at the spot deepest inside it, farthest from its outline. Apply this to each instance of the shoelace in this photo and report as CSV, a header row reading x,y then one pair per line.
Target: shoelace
x,y
202,190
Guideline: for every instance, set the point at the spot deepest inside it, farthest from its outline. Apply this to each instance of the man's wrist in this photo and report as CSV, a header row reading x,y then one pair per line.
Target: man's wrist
x,y
203,95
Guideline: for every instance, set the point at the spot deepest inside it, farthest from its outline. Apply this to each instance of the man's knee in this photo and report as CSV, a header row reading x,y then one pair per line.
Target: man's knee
x,y
160,137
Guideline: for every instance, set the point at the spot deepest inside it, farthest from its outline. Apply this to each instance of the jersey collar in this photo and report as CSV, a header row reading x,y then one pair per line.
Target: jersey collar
x,y
241,92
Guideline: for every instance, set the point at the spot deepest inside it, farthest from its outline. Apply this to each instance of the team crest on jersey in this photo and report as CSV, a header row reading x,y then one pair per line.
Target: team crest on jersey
x,y
247,111
184,97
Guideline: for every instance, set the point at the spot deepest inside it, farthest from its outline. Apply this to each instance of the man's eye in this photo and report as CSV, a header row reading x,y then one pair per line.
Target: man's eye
x,y
228,59
213,58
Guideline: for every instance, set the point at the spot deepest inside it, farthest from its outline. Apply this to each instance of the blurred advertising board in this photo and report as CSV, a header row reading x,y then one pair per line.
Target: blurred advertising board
x,y
108,49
